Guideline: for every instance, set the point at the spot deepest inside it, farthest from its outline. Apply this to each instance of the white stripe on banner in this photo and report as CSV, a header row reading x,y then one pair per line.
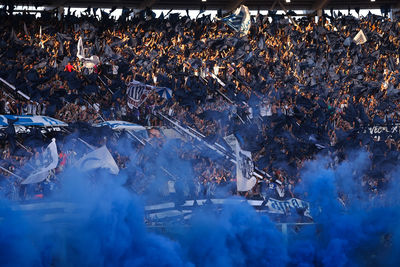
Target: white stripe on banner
x,y
281,206
28,120
137,93
161,206
272,206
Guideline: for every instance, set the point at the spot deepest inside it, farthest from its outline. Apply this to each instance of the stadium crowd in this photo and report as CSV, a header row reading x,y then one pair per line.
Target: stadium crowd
x,y
287,92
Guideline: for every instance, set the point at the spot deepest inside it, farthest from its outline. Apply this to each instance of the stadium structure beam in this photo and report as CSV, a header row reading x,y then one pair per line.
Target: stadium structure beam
x,y
319,5
147,3
286,13
274,4
234,4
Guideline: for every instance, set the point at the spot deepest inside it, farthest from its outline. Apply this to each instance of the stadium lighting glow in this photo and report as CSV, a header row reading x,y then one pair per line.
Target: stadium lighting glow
x,y
287,1
203,0
372,0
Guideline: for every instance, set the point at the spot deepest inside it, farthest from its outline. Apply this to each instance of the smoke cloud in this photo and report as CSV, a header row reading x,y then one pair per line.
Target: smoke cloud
x,y
106,224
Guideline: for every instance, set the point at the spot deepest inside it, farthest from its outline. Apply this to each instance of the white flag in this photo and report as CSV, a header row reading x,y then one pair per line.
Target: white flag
x,y
80,54
40,175
99,158
40,36
360,38
244,170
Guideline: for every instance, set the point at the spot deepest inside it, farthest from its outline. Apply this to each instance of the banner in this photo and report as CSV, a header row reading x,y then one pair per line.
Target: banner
x,y
51,156
100,158
137,93
383,132
284,206
239,20
170,210
28,120
121,125
245,180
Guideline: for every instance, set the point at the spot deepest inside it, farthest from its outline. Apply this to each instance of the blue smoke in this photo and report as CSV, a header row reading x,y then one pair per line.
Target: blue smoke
x,y
236,237
357,234
16,249
108,227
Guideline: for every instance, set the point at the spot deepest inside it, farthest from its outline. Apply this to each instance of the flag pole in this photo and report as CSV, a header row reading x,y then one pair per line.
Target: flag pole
x,y
4,169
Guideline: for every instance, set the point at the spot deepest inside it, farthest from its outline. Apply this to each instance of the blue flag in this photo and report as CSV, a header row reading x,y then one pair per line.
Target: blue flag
x,y
239,20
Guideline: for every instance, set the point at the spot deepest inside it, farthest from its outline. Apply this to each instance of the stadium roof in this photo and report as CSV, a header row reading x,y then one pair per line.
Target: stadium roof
x,y
215,4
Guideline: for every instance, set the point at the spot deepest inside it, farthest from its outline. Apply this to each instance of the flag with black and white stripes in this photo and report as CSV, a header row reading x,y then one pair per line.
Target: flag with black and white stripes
x,y
137,93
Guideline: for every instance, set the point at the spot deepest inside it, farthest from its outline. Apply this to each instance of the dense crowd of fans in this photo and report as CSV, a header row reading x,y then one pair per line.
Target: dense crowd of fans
x,y
286,92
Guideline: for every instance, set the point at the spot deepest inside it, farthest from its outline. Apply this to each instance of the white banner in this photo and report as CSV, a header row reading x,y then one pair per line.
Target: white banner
x,y
383,132
99,158
283,206
52,156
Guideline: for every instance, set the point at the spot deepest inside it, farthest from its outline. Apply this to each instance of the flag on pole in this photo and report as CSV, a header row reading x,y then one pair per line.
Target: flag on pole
x,y
40,36
245,180
52,156
137,93
80,54
164,92
360,38
99,158
239,20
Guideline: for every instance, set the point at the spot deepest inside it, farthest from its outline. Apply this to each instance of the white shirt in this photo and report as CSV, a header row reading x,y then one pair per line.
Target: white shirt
x,y
29,108
123,110
115,69
216,70
96,106
34,109
7,107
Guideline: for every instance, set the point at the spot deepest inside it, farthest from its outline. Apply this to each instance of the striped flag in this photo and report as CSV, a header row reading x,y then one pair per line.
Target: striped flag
x,y
239,20
137,93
